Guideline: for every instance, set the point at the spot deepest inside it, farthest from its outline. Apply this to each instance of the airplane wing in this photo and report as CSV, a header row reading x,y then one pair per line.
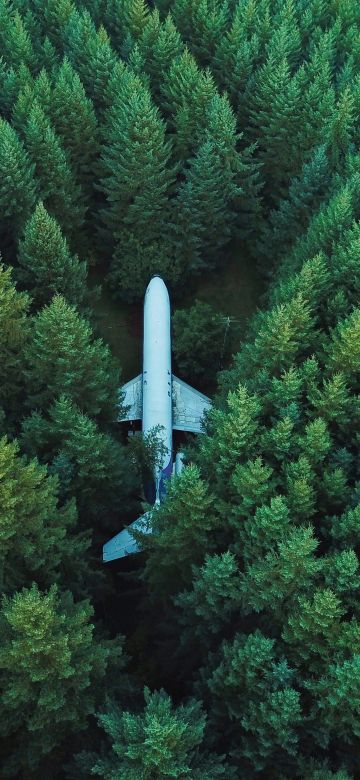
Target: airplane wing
x,y
189,406
124,543
132,399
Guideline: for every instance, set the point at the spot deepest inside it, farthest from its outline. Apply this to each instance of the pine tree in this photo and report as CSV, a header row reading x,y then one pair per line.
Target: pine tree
x,y
341,130
180,527
13,81
255,686
101,478
162,741
17,186
205,207
159,44
52,672
37,538
274,107
201,25
13,336
345,349
57,14
40,91
186,88
90,53
203,360
16,45
75,122
136,181
63,355
238,52
46,266
291,218
56,184
328,225
319,98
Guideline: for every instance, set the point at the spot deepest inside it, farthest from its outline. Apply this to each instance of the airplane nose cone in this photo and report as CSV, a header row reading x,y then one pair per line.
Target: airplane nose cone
x,y
157,286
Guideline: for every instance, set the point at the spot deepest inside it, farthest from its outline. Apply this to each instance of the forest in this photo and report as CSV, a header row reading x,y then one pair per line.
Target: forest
x,y
176,137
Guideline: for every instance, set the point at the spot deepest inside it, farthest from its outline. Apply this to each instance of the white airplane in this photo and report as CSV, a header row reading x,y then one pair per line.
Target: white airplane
x,y
160,399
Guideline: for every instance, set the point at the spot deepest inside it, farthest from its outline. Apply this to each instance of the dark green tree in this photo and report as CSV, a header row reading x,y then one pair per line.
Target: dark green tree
x,y
52,674
274,107
56,184
37,537
200,361
46,266
136,180
17,187
63,355
16,45
75,122
162,741
306,193
158,45
205,208
101,478
14,329
90,52
201,25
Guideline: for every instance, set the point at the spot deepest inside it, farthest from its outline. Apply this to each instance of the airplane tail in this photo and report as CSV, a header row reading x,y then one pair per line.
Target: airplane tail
x,y
124,544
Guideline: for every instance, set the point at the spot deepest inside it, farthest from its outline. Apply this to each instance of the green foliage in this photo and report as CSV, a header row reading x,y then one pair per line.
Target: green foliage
x,y
146,137
100,475
254,688
160,742
90,52
46,265
63,355
13,336
180,527
17,187
201,24
136,182
52,670
57,187
199,361
75,122
36,535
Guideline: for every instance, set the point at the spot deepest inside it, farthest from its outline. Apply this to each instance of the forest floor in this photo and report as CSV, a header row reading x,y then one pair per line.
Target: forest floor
x,y
233,289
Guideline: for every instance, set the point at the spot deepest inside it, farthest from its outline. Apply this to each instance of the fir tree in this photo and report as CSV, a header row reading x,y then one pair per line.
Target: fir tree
x,y
89,51
37,539
159,44
201,25
274,115
291,218
52,671
205,206
17,188
101,478
16,45
162,741
46,264
56,184
136,181
40,91
200,362
180,527
64,355
13,336
75,122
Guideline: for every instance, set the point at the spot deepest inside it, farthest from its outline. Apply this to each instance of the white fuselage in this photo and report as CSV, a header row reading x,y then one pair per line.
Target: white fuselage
x,y
157,377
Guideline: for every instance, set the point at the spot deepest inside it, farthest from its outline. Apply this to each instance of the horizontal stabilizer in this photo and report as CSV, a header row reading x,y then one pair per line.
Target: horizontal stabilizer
x,y
124,544
189,406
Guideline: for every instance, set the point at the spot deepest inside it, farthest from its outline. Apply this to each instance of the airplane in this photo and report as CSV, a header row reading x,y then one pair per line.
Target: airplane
x,y
161,401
